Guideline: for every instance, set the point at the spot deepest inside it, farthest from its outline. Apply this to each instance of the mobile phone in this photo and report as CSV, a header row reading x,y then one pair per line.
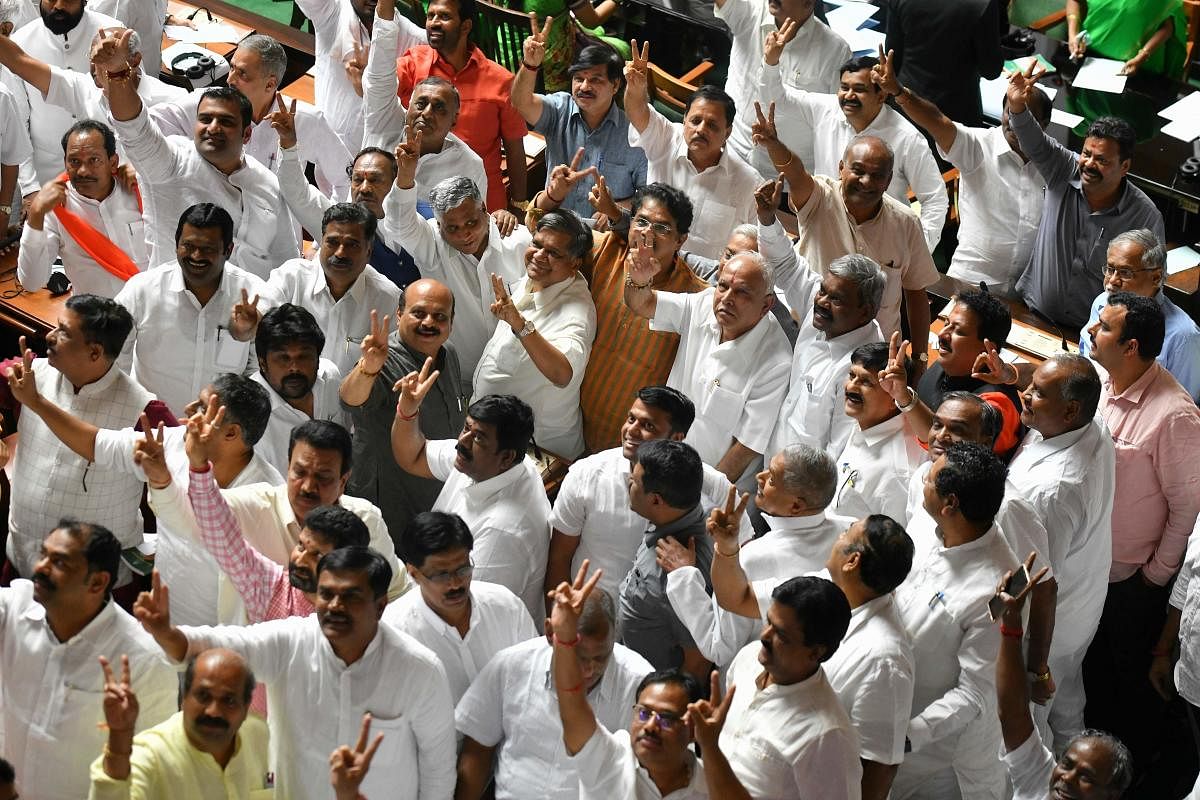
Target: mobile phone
x,y
1016,584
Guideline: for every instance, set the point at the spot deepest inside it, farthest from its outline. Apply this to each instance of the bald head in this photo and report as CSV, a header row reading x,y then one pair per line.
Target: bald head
x,y
425,316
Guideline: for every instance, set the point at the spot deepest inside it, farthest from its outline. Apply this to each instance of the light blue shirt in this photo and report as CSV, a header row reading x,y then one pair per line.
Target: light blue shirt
x,y
1181,348
607,148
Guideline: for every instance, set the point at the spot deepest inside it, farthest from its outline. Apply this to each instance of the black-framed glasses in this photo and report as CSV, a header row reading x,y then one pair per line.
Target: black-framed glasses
x,y
666,720
443,578
1125,273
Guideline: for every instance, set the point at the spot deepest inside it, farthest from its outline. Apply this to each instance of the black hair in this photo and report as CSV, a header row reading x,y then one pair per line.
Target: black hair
x,y
820,606
678,406
247,404
228,93
373,151
510,416
673,471
600,54
568,222
676,202
351,213
886,555
287,324
1116,129
1144,321
673,677
323,434
715,94
995,320
101,550
359,559
339,527
189,676
874,357
974,475
207,215
432,532
86,126
104,322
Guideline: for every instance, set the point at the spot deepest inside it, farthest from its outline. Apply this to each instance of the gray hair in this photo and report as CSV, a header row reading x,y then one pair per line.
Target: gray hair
x,y
1082,384
9,9
452,193
1154,254
809,473
270,52
865,273
872,139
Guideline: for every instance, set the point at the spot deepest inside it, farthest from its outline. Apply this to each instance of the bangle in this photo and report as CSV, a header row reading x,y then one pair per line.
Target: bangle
x,y
363,370
529,66
788,163
629,281
912,402
406,417
1012,633
727,555
561,643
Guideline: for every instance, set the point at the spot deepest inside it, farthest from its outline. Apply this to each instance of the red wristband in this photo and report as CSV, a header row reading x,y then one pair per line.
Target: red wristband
x,y
1014,633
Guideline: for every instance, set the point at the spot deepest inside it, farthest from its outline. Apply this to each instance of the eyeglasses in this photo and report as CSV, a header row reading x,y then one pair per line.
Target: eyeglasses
x,y
666,720
659,228
1126,274
443,578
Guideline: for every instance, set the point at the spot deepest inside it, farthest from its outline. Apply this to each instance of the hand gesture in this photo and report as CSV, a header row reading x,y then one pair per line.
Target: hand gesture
x,y
671,555
724,523
565,177
568,601
504,309
48,198
638,70
778,39
413,387
766,200
883,74
110,51
148,454
989,367
153,608
348,768
355,64
244,318
283,120
20,377
893,378
707,717
120,702
639,262
601,199
408,153
533,51
506,222
374,345
1020,86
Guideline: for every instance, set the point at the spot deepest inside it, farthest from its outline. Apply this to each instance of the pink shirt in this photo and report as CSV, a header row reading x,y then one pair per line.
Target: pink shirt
x,y
1155,426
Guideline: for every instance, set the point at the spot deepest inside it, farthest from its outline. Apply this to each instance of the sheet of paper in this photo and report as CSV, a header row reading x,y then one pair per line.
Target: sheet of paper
x,y
209,32
1101,74
1183,129
1187,107
850,16
1181,258
1065,118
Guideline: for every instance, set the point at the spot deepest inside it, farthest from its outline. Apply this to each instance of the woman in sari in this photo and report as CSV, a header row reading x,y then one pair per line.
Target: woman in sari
x,y
1147,35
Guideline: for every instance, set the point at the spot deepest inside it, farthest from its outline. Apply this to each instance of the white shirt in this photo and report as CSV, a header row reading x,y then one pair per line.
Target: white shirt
x,y
509,517
284,417
1000,202
317,703
384,118
872,673
53,692
346,320
512,706
1070,481
469,278
874,470
1030,768
809,62
200,593
789,741
722,195
338,29
117,217
609,770
177,346
914,165
565,316
175,176
144,16
943,603
498,620
316,141
737,386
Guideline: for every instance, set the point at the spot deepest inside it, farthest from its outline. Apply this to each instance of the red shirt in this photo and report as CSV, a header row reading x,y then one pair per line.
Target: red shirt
x,y
485,115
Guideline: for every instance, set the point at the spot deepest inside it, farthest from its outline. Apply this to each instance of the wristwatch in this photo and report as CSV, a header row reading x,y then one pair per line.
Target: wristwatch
x,y
526,330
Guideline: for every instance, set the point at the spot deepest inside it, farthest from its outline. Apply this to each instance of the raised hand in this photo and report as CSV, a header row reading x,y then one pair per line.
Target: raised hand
x,y
778,39
374,345
153,608
638,70
883,74
724,522
766,200
671,555
408,153
120,702
110,51
989,367
893,378
283,120
569,599
203,429
20,377
533,50
244,318
565,177
149,456
413,387
348,768
707,717
601,199
504,309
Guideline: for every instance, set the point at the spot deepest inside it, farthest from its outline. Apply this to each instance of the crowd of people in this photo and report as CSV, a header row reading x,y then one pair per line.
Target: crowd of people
x,y
608,488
